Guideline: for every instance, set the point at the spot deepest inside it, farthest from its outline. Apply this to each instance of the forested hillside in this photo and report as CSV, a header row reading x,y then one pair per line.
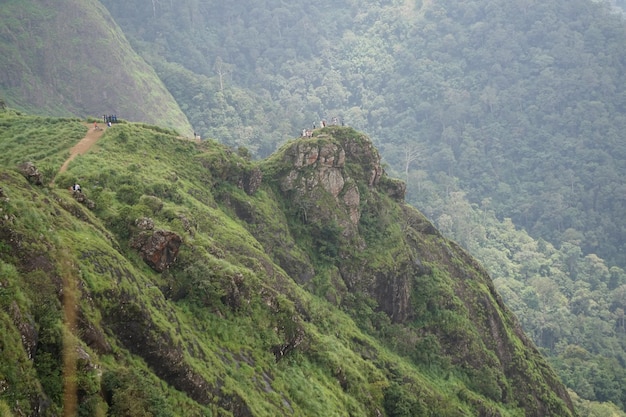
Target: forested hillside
x,y
519,102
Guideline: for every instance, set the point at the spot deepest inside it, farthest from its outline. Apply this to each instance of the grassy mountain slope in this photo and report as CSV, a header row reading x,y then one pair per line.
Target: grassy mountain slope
x,y
72,59
303,285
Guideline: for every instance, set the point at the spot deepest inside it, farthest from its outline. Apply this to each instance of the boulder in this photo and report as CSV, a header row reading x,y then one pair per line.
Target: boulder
x,y
158,248
82,199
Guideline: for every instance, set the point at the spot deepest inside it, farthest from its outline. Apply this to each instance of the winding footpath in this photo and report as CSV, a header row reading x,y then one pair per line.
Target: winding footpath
x,y
83,145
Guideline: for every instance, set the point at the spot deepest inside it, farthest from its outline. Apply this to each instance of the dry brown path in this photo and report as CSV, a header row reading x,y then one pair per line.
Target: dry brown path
x,y
83,145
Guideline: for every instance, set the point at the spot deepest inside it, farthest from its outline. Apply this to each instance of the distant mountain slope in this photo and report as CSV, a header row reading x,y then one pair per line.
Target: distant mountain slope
x,y
70,58
187,280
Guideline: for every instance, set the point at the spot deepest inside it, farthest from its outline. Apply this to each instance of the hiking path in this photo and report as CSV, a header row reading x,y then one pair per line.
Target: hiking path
x,y
82,146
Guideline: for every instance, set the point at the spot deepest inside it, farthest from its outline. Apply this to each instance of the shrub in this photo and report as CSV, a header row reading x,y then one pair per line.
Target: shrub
x,y
128,194
398,402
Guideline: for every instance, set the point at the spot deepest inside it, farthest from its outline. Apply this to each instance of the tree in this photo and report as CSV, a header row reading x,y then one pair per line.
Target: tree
x,y
412,153
222,69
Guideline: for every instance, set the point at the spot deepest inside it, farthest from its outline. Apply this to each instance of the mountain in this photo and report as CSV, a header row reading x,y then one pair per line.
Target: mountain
x,y
187,280
500,116
516,106
72,59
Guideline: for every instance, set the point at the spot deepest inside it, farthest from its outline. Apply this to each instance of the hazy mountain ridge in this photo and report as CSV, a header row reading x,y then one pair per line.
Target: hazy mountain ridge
x,y
73,59
228,330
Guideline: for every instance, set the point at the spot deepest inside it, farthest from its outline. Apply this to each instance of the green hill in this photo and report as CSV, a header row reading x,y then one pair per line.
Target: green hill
x,y
187,280
72,59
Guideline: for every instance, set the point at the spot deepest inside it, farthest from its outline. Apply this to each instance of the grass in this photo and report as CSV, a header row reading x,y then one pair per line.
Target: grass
x,y
222,310
42,140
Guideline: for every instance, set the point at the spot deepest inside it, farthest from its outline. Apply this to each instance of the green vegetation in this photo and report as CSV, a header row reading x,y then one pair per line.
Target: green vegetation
x,y
264,311
489,110
571,304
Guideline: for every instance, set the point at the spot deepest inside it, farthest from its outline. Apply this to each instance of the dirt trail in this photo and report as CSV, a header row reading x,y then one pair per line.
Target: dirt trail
x,y
82,146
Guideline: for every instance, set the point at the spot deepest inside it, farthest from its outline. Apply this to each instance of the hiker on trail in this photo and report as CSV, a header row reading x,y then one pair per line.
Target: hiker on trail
x,y
95,125
76,188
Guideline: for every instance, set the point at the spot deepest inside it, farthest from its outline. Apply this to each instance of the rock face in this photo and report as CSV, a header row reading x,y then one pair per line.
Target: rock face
x,y
323,188
82,198
322,180
27,329
337,179
158,248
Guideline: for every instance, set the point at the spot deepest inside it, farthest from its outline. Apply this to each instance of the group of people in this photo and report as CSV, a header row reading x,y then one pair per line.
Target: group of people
x,y
109,119
307,133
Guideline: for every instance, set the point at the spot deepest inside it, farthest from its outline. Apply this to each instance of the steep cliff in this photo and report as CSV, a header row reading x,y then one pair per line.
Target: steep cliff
x,y
201,283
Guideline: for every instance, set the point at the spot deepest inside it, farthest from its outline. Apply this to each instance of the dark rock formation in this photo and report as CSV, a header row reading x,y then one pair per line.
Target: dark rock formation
x,y
252,180
134,326
158,248
26,326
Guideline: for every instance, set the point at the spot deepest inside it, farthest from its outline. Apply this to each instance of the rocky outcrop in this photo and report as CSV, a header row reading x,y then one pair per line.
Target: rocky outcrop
x,y
82,198
252,180
31,173
322,181
158,248
323,188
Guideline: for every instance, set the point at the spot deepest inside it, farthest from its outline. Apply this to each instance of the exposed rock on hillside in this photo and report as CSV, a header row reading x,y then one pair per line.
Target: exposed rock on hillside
x,y
321,178
32,174
158,248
